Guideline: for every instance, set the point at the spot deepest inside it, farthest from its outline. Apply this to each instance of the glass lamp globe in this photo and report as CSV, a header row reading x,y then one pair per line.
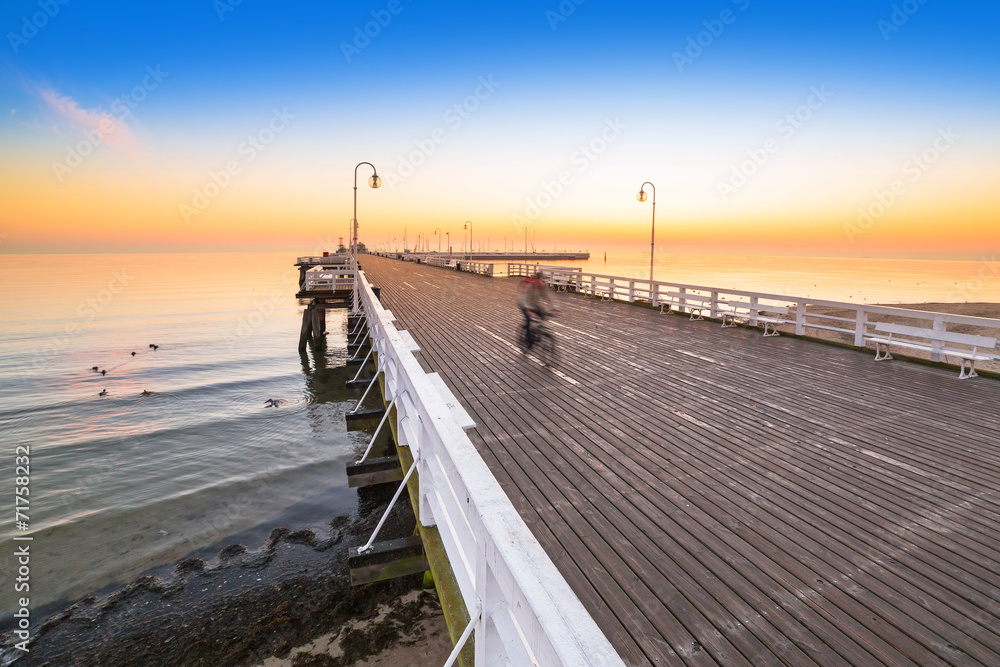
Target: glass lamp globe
x,y
641,196
375,181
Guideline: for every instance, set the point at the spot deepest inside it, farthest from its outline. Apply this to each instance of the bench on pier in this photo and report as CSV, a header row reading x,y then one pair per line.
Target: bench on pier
x,y
694,304
932,340
769,316
562,281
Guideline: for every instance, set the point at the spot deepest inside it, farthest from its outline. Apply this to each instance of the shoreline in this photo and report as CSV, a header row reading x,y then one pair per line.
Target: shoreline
x,y
290,595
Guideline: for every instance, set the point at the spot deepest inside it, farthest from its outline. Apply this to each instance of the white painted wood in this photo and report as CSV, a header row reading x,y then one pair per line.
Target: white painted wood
x,y
411,344
937,335
463,418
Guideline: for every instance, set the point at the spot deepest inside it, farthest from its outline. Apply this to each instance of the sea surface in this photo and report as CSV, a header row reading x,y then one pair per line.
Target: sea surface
x,y
125,482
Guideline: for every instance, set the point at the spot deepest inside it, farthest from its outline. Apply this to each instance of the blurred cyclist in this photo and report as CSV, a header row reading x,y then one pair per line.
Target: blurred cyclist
x,y
533,299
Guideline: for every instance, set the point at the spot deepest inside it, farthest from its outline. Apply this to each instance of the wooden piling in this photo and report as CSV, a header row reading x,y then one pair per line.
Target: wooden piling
x,y
306,327
318,317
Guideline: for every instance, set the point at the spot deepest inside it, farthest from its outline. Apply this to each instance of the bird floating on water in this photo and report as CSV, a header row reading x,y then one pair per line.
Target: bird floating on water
x,y
104,372
133,354
95,369
272,402
104,392
146,393
153,346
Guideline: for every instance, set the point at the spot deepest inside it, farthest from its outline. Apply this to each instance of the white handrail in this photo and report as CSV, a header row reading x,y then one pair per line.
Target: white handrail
x,y
482,268
529,614
322,278
329,260
803,312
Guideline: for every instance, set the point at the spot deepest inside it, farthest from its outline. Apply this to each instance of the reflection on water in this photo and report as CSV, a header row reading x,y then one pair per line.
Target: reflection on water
x,y
126,481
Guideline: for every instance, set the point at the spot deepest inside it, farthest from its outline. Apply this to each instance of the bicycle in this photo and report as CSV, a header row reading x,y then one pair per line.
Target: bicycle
x,y
544,345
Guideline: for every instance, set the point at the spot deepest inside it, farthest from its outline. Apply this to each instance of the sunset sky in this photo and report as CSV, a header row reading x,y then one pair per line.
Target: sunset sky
x,y
841,128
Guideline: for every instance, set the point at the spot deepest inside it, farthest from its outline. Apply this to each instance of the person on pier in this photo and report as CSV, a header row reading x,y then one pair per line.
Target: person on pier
x,y
533,299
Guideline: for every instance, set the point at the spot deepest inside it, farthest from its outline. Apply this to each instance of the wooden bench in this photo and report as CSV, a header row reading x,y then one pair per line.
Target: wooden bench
x,y
769,316
562,281
924,339
694,303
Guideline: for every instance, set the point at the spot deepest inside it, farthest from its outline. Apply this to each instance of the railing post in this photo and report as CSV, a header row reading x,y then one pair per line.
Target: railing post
x,y
681,301
800,318
753,311
860,326
631,291
937,345
714,305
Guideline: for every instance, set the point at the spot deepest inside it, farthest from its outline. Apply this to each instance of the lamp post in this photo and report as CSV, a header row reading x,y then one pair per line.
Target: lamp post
x,y
373,182
437,233
448,237
468,225
652,240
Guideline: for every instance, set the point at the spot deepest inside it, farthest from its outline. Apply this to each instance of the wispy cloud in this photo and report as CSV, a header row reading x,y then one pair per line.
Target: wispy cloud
x,y
113,131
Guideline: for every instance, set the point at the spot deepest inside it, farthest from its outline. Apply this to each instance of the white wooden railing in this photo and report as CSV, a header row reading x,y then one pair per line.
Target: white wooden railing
x,y
321,278
441,260
330,260
522,610
482,268
804,314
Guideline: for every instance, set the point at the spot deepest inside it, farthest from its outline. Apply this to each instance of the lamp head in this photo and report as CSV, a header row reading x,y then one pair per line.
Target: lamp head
x,y
642,195
375,181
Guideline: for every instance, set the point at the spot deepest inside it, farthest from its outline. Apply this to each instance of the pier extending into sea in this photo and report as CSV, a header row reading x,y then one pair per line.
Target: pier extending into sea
x,y
697,494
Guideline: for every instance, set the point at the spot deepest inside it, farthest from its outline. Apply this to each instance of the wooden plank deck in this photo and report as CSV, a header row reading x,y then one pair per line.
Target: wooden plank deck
x,y
716,497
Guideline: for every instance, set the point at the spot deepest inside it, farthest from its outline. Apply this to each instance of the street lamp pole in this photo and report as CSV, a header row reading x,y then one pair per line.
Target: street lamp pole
x,y
437,233
373,182
652,240
468,225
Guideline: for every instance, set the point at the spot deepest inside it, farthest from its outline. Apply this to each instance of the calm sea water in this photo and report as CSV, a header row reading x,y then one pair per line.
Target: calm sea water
x,y
125,482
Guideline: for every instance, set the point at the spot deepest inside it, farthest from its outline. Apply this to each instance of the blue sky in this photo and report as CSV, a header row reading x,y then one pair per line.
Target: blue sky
x,y
563,69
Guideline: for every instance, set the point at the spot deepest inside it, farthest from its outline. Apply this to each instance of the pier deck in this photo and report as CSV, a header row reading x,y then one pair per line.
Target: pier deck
x,y
716,497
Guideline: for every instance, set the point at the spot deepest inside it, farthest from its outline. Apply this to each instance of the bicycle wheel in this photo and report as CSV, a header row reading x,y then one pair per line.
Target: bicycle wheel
x,y
549,352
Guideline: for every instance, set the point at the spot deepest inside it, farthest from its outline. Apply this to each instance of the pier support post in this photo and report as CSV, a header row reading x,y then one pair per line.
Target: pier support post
x,y
306,327
318,320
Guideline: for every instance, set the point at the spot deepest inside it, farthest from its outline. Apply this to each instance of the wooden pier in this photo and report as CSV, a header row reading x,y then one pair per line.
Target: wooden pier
x,y
716,497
